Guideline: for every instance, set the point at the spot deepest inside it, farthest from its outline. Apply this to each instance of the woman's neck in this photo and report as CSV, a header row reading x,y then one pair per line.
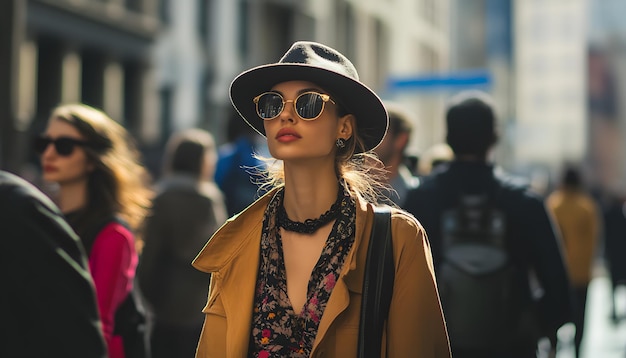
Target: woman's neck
x,y
309,192
72,196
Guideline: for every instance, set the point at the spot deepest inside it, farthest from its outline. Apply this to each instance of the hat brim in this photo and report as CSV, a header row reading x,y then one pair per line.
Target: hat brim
x,y
352,95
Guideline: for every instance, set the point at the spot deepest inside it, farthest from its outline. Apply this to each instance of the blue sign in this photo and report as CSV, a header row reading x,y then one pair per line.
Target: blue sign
x,y
441,81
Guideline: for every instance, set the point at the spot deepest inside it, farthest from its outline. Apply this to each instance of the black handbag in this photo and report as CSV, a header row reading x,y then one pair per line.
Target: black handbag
x,y
377,285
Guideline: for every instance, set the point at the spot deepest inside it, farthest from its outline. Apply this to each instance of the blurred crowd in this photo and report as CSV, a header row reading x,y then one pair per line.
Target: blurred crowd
x,y
114,232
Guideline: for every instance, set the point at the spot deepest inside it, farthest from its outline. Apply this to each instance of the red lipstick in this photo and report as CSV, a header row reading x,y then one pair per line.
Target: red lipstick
x,y
286,135
49,168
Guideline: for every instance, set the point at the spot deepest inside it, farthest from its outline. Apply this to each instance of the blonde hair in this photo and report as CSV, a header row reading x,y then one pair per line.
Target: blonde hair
x,y
119,184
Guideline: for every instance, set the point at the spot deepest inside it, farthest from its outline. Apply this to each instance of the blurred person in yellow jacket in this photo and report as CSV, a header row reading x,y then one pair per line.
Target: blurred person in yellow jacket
x,y
577,216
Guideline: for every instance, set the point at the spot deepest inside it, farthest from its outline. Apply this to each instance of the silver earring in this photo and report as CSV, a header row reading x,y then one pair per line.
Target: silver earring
x,y
340,143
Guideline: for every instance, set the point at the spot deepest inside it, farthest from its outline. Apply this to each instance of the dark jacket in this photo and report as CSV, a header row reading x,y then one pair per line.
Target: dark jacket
x,y
534,245
615,239
184,215
48,304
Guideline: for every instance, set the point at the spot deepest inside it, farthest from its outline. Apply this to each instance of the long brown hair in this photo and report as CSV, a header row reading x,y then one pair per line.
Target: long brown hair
x,y
119,184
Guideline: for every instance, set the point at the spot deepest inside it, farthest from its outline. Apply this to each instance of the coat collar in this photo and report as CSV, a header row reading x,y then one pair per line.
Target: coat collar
x,y
233,254
230,239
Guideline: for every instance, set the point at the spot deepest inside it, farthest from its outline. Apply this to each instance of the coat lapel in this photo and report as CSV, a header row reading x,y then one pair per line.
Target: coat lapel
x,y
351,278
238,296
233,252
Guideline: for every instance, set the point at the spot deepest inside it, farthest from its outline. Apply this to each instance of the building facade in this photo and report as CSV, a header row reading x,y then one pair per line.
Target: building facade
x,y
606,135
159,66
551,83
217,39
58,51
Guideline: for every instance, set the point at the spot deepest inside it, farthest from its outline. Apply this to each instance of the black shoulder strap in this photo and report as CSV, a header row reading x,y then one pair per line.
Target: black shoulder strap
x,y
377,285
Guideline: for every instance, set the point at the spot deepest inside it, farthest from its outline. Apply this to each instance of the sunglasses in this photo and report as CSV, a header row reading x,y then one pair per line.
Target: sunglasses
x,y
308,105
64,146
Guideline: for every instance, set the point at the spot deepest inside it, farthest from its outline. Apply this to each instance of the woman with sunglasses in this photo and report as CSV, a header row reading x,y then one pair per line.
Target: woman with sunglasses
x,y
287,272
103,192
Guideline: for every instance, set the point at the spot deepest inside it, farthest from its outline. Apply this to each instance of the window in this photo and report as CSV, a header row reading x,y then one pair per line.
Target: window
x,y
203,19
429,12
381,52
164,11
166,95
134,5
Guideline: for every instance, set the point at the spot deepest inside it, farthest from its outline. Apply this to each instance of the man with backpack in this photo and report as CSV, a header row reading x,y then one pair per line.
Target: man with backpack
x,y
500,273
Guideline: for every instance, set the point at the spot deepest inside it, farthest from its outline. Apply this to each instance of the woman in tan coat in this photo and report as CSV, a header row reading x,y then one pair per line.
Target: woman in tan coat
x,y
287,272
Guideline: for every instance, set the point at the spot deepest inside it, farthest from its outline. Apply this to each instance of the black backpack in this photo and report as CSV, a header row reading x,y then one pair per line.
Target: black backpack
x,y
476,276
130,317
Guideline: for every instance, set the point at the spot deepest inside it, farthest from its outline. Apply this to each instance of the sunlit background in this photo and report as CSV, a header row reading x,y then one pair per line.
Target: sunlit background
x,y
556,69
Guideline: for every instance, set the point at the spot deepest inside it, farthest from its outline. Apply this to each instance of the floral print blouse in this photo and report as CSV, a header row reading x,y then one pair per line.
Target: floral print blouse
x,y
277,331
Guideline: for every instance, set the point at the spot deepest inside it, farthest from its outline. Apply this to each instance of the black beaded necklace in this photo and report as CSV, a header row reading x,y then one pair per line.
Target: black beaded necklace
x,y
309,226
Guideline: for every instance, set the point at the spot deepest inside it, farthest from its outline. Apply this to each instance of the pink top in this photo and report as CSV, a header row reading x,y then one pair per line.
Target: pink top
x,y
112,262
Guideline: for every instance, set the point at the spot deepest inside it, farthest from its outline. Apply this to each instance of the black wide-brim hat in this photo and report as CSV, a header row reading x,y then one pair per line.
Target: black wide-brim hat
x,y
327,68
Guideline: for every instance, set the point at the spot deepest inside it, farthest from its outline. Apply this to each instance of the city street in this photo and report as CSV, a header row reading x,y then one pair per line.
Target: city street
x,y
602,338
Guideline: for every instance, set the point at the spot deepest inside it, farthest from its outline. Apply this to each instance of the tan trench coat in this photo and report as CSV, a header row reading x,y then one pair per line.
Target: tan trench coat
x,y
415,326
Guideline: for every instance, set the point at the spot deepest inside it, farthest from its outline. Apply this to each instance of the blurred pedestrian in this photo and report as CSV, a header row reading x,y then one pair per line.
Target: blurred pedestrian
x,y
577,216
103,193
187,210
488,233
614,214
237,164
435,156
48,301
288,270
392,152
